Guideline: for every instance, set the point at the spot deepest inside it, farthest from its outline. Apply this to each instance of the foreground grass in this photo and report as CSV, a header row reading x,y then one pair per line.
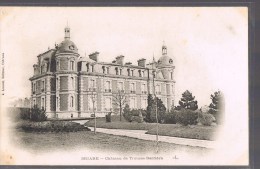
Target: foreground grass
x,y
174,130
50,142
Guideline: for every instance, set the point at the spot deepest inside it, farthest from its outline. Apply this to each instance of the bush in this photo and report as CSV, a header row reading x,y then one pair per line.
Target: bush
x,y
52,126
38,114
170,118
108,117
186,117
24,114
205,118
134,115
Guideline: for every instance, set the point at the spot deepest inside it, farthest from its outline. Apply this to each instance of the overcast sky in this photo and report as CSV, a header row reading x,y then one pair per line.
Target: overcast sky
x,y
208,45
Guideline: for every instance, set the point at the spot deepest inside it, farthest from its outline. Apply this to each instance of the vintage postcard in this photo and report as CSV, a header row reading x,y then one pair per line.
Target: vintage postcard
x,y
124,86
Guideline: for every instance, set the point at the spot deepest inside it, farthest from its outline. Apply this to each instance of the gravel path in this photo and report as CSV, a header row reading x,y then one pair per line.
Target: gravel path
x,y
140,134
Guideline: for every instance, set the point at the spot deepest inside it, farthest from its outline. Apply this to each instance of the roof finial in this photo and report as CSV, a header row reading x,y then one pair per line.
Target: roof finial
x,y
164,48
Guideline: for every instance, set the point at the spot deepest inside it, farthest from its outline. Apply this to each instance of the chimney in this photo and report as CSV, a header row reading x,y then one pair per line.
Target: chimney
x,y
120,59
94,56
141,62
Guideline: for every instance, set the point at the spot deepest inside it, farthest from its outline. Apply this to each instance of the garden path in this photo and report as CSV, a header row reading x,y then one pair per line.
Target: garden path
x,y
140,134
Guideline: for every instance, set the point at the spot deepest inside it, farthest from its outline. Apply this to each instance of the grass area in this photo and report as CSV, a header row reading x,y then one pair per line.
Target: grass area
x,y
174,130
192,132
117,124
87,140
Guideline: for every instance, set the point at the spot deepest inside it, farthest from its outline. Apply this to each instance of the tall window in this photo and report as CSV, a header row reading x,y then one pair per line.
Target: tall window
x,y
43,103
143,88
92,68
158,89
132,71
132,87
104,69
132,103
143,103
171,75
43,85
107,86
140,74
92,83
116,70
120,86
57,83
71,65
128,72
57,102
107,70
34,87
120,71
72,82
58,65
71,101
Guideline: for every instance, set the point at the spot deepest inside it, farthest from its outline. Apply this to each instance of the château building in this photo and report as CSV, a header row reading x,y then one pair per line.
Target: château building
x,y
65,84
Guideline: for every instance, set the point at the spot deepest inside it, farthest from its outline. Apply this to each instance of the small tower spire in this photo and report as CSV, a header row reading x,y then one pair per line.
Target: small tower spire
x,y
67,32
164,49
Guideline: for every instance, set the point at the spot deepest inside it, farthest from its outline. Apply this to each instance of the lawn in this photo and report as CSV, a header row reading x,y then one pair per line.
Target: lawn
x,y
52,142
174,130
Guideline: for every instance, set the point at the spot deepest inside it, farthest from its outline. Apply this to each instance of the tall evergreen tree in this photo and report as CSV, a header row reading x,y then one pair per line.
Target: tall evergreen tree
x,y
188,101
151,110
217,105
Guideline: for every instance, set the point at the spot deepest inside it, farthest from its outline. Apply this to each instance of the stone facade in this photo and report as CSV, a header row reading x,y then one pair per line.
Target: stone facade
x,y
64,83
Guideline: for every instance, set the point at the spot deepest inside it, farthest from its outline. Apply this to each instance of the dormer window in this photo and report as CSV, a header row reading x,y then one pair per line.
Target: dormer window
x,y
170,61
116,70
140,74
71,47
104,69
87,67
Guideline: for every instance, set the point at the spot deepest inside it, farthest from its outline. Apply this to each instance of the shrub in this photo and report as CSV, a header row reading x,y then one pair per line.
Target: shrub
x,y
170,118
127,113
186,117
108,117
134,115
25,114
38,114
52,126
205,118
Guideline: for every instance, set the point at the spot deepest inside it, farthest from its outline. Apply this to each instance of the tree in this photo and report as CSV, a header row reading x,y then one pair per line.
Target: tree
x,y
151,110
188,101
217,105
119,100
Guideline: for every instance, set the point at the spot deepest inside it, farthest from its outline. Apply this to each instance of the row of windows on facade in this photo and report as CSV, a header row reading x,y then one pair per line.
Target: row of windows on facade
x,y
108,103
130,72
120,86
